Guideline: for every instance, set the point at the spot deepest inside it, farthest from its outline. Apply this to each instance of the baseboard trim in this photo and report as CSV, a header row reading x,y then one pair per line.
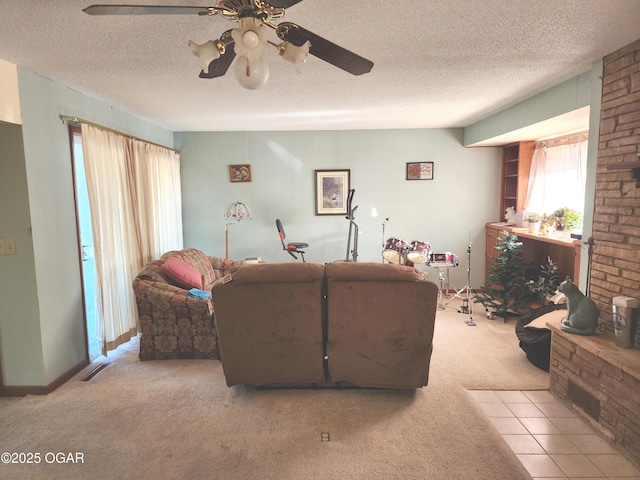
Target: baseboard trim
x,y
23,390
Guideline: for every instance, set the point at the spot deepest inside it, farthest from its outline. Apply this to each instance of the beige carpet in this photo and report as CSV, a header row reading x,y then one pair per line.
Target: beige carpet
x,y
484,357
179,420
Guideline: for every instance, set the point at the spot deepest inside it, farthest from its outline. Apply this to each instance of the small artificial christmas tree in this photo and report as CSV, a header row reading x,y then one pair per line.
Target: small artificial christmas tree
x,y
508,287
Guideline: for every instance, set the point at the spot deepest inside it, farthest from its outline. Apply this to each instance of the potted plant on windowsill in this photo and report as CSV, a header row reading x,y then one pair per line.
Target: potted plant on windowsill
x,y
534,221
566,219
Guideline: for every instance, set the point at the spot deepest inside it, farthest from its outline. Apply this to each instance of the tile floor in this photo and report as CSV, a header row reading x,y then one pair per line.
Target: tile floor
x,y
549,439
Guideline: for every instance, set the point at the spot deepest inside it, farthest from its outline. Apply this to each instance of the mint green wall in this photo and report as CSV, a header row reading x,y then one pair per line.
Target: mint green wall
x,y
45,339
443,212
19,312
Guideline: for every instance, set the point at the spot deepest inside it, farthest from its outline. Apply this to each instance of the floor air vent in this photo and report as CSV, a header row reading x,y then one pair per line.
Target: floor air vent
x,y
94,372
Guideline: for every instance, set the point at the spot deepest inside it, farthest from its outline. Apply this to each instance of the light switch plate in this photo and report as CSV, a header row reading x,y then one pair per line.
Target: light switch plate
x,y
9,247
1,247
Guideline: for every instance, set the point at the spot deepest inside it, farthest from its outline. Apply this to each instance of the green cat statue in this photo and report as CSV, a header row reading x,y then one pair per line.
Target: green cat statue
x,y
582,312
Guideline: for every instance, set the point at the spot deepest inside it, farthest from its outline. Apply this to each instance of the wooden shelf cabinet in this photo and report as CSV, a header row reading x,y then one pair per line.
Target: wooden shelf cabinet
x,y
514,181
536,249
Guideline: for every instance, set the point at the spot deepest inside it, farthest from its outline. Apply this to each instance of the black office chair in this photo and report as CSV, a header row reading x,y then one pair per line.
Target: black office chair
x,y
292,247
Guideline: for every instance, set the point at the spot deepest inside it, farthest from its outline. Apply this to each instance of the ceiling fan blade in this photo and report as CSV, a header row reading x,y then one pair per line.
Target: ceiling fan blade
x,y
219,66
283,3
148,10
324,49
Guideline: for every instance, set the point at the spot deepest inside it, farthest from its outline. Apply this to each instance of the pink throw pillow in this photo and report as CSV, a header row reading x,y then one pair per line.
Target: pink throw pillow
x,y
182,273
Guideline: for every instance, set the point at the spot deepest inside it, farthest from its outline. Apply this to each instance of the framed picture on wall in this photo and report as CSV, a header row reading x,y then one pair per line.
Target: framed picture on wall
x,y
332,190
420,171
240,173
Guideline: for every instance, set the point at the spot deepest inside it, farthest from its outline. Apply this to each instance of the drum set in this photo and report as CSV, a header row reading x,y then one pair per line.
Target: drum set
x,y
403,253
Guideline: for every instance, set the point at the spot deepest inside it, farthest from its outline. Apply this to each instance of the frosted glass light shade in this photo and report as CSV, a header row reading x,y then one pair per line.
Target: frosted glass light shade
x,y
251,75
206,53
295,54
250,39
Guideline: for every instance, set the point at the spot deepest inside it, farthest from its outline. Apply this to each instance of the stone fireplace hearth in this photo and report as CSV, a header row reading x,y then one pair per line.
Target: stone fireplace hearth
x,y
601,382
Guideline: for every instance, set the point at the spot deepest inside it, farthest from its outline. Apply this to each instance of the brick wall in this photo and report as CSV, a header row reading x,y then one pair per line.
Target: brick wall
x,y
603,382
591,373
615,267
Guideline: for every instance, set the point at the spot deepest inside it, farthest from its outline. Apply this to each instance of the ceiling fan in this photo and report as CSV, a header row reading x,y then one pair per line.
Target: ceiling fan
x,y
249,39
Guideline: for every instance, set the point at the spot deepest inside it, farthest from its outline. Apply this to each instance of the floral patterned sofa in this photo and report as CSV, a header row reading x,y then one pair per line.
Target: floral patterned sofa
x,y
172,322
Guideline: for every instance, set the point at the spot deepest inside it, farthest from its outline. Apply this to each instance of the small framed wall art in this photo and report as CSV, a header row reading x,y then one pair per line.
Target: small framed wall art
x,y
420,171
240,173
332,190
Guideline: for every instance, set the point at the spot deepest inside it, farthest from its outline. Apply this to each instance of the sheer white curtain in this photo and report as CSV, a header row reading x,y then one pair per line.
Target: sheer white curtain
x,y
134,197
558,175
156,176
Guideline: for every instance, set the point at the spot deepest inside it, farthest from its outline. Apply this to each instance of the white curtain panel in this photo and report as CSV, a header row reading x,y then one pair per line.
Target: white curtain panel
x,y
134,197
158,199
558,175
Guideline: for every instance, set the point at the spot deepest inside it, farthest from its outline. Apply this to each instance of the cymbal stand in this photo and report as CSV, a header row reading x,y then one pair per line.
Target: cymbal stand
x,y
467,306
383,240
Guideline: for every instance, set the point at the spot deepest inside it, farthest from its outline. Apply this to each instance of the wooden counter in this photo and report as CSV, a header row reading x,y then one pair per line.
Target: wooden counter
x,y
537,248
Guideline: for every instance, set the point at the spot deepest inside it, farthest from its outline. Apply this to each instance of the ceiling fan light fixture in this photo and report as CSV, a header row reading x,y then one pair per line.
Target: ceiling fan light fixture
x,y
250,39
251,75
206,53
294,53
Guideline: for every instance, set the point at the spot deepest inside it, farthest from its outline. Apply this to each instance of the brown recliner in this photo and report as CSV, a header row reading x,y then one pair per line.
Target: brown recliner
x,y
380,323
269,324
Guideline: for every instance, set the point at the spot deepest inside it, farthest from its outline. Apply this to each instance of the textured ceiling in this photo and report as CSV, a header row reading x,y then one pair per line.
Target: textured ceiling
x,y
437,63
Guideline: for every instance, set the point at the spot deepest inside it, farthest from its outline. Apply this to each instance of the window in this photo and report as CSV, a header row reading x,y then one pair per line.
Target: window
x,y
558,175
